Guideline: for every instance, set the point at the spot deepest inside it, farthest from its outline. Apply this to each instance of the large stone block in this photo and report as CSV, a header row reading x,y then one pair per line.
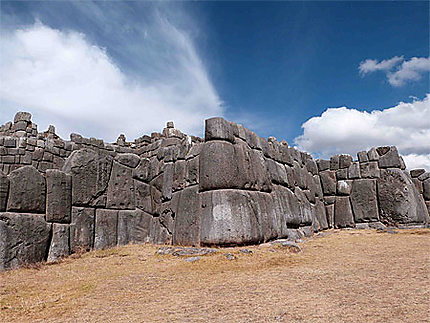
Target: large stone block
x,y
218,128
133,226
128,159
343,213
58,196
399,200
230,217
364,200
369,170
82,229
187,219
192,171
389,158
24,238
4,191
105,229
60,246
426,189
27,191
120,192
344,187
328,182
354,170
329,209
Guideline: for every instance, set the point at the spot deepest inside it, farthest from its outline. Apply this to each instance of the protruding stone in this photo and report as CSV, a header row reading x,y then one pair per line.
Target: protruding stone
x,y
373,155
344,187
59,247
354,170
82,229
323,164
218,128
58,196
328,182
417,172
389,158
343,213
105,229
426,189
24,239
22,116
362,157
170,124
345,161
27,191
334,162
128,159
399,201
364,200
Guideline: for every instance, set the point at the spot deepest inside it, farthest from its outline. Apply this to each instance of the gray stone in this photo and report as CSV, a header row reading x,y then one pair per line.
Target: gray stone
x,y
187,219
426,189
192,259
59,247
343,213
289,245
105,229
334,162
4,191
27,191
342,174
218,128
58,196
128,159
364,200
373,155
120,191
418,184
133,226
362,157
344,187
369,170
389,158
192,171
399,201
354,170
179,181
417,172
24,239
82,229
328,182
329,209
345,161
22,116
159,233
424,176
166,189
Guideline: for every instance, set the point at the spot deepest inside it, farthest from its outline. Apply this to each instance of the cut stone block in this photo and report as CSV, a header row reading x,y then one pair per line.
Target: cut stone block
x,y
82,229
59,247
105,229
58,196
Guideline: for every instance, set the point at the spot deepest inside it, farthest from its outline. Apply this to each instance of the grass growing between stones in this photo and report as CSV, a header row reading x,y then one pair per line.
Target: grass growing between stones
x,y
353,276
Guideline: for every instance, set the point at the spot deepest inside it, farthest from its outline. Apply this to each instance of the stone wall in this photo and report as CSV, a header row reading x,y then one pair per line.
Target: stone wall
x,y
59,197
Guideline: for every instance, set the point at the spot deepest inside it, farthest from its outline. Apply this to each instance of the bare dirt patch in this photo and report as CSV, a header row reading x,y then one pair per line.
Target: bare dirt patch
x,y
344,276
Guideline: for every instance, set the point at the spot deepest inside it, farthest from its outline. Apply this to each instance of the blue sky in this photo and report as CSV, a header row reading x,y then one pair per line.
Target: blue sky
x,y
269,65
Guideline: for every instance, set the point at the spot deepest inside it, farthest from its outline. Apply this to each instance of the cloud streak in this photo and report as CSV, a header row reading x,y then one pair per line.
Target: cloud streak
x,y
345,130
64,77
398,71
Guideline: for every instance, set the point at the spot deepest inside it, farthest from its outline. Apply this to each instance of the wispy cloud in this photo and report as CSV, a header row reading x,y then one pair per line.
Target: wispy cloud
x,y
398,71
346,130
63,76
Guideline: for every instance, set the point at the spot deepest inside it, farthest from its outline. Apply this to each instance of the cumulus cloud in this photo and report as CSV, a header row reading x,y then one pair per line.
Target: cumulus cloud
x,y
61,76
346,130
397,70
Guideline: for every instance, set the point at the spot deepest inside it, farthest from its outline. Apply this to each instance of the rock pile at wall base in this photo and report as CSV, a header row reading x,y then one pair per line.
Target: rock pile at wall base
x,y
231,188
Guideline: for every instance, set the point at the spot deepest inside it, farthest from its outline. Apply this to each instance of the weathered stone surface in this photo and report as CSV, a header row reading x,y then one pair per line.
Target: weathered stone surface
x,y
323,164
133,226
345,161
369,170
334,162
229,218
128,159
362,157
373,155
426,189
59,247
58,196
105,228
218,128
179,170
328,182
417,172
344,187
192,171
187,219
166,189
342,174
418,184
399,201
343,213
329,209
82,229
390,158
22,116
24,238
159,233
120,192
4,191
364,200
354,171
27,190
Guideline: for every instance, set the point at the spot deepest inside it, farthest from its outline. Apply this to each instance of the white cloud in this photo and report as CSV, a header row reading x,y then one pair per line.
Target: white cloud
x,y
62,77
372,65
397,70
345,130
411,70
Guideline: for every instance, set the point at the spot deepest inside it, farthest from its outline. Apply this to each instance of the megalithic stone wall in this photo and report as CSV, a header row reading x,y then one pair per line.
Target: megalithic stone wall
x,y
231,188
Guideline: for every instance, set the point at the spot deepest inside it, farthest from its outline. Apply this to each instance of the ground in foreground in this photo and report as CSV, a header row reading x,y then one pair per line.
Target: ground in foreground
x,y
353,276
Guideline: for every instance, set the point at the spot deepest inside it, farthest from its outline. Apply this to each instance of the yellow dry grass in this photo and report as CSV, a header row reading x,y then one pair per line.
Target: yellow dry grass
x,y
344,276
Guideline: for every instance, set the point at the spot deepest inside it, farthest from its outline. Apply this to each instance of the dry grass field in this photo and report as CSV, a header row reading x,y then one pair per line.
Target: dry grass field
x,y
342,276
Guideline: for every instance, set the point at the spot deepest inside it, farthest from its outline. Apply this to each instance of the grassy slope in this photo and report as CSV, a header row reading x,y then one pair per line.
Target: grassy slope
x,y
354,276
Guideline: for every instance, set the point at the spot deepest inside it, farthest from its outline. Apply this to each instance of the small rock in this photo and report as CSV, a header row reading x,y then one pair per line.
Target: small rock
x,y
246,251
192,259
290,245
230,256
